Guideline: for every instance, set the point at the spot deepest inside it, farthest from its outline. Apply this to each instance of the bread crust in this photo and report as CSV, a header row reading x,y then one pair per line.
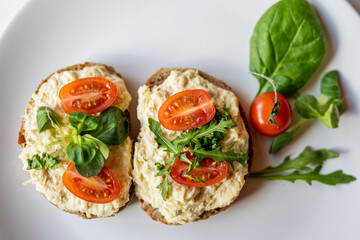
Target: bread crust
x,y
22,140
157,79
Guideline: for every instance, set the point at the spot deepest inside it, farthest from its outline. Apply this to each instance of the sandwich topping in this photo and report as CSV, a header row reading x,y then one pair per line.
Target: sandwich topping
x,y
53,138
185,203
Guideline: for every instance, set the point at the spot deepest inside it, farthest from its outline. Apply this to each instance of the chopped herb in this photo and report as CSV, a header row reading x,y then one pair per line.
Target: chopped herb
x,y
36,162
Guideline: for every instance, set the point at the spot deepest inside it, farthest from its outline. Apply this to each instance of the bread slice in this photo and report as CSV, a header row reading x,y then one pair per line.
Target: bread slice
x,y
157,79
23,142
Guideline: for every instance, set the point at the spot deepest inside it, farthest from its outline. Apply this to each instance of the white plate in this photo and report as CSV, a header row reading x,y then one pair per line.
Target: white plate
x,y
138,37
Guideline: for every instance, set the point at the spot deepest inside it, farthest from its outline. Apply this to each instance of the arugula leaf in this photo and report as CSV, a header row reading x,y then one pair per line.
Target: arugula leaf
x,y
229,156
307,167
203,141
160,138
210,135
306,157
337,177
45,118
288,45
36,162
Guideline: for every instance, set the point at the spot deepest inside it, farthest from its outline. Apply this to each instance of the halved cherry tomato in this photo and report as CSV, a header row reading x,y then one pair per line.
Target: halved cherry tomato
x,y
209,172
186,110
102,188
260,110
88,95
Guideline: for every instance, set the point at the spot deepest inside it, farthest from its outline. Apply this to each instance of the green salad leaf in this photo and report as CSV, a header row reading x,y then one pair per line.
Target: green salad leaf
x,y
46,119
86,145
83,121
46,160
113,128
305,167
326,108
288,44
92,167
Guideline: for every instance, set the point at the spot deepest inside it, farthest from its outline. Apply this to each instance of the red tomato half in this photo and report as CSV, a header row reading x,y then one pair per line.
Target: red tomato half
x,y
102,188
209,171
186,110
260,110
88,95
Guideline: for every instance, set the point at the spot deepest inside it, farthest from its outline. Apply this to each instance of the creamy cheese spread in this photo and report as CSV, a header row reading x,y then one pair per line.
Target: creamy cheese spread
x,y
49,182
185,204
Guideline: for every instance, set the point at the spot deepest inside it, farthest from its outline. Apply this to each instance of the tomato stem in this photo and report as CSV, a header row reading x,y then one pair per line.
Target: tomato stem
x,y
276,107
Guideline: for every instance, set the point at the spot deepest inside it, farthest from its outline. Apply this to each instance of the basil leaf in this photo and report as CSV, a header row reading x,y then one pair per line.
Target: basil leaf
x,y
45,118
280,141
331,116
81,150
308,107
113,128
93,167
83,121
99,144
288,44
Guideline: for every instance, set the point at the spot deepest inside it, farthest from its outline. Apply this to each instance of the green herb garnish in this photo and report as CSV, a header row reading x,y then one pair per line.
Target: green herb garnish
x,y
305,167
36,162
86,145
204,141
326,108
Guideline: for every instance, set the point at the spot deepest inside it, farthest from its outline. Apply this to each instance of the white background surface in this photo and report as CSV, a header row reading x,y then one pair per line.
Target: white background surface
x,y
137,38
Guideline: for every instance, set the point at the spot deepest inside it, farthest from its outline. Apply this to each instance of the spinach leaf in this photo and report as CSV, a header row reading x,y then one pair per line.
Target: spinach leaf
x,y
83,121
93,167
113,128
81,150
45,118
288,45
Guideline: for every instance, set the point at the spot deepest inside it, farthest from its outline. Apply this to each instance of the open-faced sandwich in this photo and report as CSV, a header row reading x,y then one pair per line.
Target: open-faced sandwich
x,y
75,140
193,152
